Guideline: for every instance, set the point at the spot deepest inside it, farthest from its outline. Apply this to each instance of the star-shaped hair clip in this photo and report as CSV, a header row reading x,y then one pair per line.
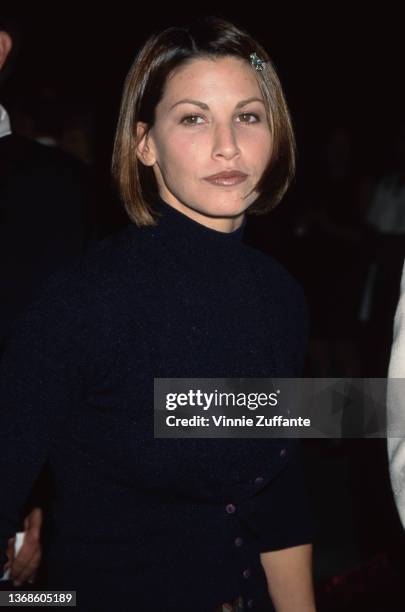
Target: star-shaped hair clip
x,y
256,61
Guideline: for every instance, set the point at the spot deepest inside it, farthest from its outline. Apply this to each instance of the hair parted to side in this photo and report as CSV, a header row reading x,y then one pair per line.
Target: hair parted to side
x,y
211,37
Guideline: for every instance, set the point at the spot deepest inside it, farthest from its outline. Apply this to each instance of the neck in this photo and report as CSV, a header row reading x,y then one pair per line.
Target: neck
x,y
187,235
224,225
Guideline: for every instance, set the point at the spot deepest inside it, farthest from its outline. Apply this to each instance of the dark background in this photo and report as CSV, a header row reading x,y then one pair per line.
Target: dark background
x,y
337,67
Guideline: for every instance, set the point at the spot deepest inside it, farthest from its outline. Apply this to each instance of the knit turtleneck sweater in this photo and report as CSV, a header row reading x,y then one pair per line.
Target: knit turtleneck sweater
x,y
231,298
138,522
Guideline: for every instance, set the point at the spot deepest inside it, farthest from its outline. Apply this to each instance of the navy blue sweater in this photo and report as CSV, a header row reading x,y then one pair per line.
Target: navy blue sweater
x,y
138,523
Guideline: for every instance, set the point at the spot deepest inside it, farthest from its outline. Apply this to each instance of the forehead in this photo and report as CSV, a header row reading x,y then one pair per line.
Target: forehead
x,y
206,78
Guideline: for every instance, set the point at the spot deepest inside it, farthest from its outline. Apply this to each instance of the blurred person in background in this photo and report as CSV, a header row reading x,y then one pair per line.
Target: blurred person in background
x,y
386,216
396,405
44,195
337,253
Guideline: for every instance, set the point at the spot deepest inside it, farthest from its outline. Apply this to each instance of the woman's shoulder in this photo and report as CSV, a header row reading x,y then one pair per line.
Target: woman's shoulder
x,y
124,247
92,289
97,276
107,262
288,309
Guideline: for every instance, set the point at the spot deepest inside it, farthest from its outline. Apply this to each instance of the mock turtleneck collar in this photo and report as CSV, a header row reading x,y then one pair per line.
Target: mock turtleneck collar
x,y
194,236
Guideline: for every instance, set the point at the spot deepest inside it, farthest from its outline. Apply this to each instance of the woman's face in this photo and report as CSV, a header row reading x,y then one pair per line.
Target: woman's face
x,y
216,130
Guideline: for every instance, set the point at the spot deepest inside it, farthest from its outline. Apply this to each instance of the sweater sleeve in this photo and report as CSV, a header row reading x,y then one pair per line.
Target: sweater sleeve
x,y
396,406
289,314
41,371
280,515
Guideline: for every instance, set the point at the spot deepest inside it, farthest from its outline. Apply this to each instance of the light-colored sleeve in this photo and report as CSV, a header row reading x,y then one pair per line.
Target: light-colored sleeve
x,y
396,406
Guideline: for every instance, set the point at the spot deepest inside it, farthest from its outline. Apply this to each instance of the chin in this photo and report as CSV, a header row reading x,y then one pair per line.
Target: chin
x,y
225,208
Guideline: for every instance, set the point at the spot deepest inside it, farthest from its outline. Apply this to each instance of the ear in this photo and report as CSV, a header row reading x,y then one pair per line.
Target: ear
x,y
5,46
144,147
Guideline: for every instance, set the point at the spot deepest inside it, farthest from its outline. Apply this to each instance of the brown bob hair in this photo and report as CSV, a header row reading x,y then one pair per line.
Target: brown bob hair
x,y
208,37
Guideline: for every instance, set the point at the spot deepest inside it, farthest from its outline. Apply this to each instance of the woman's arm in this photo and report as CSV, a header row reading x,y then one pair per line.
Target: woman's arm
x,y
289,578
40,383
281,517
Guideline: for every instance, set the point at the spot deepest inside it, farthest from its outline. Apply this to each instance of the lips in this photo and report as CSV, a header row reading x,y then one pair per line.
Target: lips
x,y
233,177
227,174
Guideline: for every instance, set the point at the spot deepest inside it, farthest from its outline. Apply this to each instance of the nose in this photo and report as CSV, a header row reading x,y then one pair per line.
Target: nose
x,y
225,143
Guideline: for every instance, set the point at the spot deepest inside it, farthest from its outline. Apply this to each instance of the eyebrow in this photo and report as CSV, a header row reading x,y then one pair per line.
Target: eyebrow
x,y
206,107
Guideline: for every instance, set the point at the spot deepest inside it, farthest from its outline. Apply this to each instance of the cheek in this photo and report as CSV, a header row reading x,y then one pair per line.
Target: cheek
x,y
260,148
183,153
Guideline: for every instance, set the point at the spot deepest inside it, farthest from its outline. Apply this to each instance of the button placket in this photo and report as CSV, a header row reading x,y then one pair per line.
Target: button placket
x,y
238,542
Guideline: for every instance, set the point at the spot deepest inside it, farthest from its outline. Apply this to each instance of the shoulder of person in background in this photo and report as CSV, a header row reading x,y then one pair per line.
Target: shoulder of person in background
x,y
44,218
45,175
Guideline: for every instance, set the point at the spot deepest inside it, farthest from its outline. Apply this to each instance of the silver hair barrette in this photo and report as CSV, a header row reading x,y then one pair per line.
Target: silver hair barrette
x,y
256,61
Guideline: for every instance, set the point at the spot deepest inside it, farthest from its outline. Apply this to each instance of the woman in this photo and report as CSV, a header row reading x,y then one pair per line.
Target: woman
x,y
204,136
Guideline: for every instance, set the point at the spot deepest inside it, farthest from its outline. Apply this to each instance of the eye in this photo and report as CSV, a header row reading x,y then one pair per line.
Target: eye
x,y
189,120
255,117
